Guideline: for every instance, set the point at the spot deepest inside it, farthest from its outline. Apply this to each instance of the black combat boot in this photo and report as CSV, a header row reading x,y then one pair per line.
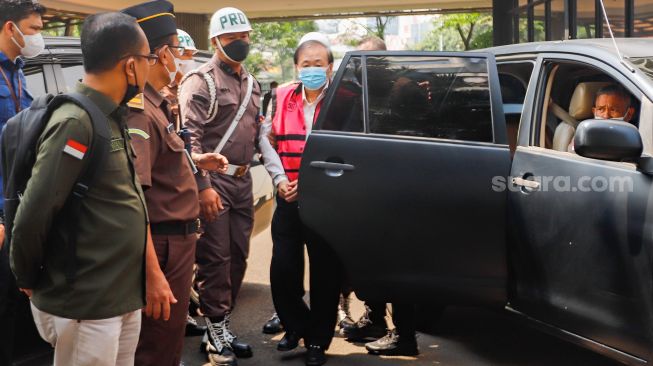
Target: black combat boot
x,y
367,328
241,349
219,350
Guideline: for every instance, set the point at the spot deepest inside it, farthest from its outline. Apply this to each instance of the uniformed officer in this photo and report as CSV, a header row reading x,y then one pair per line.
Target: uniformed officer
x,y
209,102
96,318
165,171
185,64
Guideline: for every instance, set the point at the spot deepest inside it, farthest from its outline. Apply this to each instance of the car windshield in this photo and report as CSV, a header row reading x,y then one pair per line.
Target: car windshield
x,y
644,64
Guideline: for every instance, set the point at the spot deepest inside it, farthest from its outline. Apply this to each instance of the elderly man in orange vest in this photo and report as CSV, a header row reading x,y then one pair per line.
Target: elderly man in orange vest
x,y
295,107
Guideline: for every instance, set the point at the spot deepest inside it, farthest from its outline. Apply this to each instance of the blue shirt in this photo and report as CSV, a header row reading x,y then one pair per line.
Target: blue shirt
x,y
14,72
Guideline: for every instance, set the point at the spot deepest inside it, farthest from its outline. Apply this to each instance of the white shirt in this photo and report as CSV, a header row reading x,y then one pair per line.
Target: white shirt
x,y
271,159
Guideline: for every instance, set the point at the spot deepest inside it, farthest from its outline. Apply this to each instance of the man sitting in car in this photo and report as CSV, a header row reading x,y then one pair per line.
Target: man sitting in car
x,y
611,102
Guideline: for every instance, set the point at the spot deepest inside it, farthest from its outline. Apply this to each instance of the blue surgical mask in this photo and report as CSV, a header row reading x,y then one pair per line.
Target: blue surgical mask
x,y
313,78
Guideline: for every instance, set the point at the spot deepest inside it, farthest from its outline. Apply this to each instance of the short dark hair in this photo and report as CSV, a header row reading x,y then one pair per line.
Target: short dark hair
x,y
274,84
308,44
161,41
107,38
377,43
614,89
17,10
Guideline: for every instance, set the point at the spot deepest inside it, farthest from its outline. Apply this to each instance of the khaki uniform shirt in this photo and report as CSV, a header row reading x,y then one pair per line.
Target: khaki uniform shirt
x,y
161,163
194,101
111,234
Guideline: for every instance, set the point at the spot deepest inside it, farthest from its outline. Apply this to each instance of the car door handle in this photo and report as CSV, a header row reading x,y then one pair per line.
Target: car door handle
x,y
526,183
331,166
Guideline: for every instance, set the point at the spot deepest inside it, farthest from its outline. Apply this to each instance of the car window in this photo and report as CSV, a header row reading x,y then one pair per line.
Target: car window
x,y
35,80
345,111
568,99
72,75
439,97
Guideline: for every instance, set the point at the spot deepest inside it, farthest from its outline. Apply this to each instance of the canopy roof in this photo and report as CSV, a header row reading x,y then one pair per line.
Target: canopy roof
x,y
283,8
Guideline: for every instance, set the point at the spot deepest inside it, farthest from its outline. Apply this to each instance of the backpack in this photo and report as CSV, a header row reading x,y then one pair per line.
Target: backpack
x,y
18,151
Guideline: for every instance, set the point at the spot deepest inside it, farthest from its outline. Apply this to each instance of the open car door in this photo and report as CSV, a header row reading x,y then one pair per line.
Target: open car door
x,y
403,175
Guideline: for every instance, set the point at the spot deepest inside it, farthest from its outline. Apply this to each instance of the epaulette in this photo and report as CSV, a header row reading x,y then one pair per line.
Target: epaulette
x,y
137,103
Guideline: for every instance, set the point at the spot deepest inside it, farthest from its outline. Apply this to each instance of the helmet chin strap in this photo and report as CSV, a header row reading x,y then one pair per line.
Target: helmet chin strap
x,y
217,41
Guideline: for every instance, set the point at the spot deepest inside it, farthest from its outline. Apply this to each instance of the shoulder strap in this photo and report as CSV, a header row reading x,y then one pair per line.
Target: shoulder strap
x,y
213,91
239,115
98,152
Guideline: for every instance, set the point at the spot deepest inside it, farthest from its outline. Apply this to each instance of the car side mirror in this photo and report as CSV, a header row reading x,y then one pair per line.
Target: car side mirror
x,y
608,140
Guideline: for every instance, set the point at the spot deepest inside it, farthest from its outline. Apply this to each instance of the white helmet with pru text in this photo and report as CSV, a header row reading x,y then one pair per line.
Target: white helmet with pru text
x,y
228,20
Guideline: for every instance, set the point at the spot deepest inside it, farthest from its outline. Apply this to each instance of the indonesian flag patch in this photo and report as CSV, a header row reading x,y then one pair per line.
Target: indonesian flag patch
x,y
75,149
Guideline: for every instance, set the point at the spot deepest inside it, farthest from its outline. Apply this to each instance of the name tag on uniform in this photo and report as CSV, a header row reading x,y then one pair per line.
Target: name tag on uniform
x,y
117,144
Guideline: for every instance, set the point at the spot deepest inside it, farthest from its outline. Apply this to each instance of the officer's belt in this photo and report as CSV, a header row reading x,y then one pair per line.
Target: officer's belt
x,y
175,227
237,171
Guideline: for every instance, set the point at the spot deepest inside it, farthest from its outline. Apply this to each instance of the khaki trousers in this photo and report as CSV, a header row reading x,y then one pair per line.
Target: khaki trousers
x,y
103,342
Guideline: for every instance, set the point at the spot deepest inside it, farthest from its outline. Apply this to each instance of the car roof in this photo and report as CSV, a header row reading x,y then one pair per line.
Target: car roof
x,y
596,47
56,42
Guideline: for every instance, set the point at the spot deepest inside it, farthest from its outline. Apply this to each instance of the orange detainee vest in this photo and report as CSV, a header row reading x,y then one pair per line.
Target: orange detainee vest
x,y
289,127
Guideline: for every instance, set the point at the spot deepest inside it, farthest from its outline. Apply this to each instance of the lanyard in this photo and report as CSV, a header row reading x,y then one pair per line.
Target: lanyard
x,y
16,99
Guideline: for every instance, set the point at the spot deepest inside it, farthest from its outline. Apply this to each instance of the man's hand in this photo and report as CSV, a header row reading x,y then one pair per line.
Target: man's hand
x,y
2,235
27,291
272,137
211,161
291,192
158,296
210,204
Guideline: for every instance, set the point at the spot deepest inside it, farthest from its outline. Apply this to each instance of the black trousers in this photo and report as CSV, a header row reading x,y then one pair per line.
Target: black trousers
x,y
404,317
317,323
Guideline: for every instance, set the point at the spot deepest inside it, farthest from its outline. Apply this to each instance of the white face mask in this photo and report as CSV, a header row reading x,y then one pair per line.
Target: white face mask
x,y
622,118
34,44
172,74
185,66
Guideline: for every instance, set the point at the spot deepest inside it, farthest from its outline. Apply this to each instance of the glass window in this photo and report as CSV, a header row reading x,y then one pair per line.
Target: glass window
x,y
585,19
346,108
441,97
72,75
35,81
643,23
617,15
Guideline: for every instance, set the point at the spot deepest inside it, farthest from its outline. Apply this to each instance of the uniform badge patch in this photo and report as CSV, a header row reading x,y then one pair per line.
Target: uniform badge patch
x,y
75,149
138,132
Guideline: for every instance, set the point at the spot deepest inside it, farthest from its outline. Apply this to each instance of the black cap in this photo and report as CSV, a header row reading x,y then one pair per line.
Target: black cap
x,y
157,18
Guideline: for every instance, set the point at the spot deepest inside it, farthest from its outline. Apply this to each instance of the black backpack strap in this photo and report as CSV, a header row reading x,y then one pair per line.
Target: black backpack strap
x,y
97,155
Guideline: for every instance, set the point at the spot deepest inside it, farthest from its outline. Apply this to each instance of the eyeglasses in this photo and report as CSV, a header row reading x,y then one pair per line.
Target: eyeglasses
x,y
151,59
180,49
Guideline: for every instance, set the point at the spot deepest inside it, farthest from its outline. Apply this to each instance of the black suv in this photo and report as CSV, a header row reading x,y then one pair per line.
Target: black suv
x,y
449,178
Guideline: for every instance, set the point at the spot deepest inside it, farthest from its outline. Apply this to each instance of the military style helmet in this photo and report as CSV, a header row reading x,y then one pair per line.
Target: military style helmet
x,y
228,20
185,40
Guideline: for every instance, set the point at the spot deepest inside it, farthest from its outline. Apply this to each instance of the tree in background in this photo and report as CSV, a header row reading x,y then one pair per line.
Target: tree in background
x,y
459,32
273,46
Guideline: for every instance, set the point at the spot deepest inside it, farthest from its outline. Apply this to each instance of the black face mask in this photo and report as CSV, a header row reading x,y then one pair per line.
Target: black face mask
x,y
236,50
131,91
